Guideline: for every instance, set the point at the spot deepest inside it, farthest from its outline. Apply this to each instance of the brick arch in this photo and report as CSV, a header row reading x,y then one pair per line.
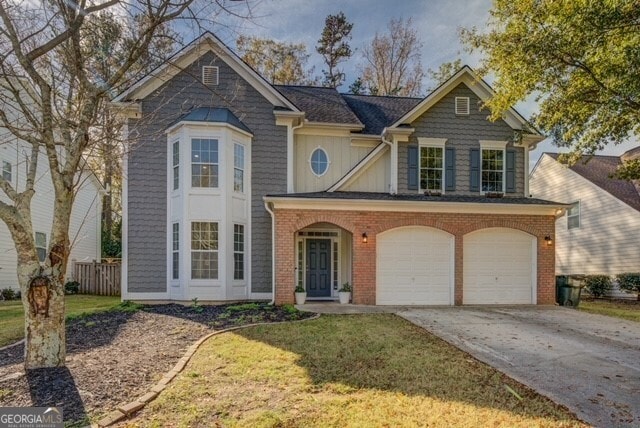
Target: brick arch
x,y
489,223
309,219
532,235
394,223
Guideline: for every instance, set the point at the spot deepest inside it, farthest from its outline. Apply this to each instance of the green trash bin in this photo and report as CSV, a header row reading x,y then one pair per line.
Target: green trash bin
x,y
567,294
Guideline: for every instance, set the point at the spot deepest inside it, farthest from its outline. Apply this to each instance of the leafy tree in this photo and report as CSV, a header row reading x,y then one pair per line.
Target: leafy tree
x,y
629,282
51,97
580,59
392,61
279,63
443,73
334,47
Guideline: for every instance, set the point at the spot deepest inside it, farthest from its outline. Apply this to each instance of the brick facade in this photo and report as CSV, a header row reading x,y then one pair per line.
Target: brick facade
x,y
289,221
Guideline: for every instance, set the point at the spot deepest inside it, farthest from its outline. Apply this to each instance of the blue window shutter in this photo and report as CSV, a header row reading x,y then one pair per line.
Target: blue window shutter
x,y
450,169
412,170
474,173
511,172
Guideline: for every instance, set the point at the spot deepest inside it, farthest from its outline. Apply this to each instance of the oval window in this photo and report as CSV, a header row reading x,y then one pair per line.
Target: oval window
x,y
319,162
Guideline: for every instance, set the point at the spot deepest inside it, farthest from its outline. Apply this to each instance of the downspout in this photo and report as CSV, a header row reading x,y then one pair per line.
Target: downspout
x,y
393,168
273,252
290,155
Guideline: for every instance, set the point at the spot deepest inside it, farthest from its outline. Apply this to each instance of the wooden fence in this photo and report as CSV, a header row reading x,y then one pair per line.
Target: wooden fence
x,y
101,279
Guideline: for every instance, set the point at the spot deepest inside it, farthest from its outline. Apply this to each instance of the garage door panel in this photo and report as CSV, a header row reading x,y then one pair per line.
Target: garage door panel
x,y
414,267
499,267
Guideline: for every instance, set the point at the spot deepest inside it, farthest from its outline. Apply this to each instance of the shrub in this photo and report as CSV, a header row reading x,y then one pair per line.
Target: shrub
x,y
629,281
72,287
8,294
597,284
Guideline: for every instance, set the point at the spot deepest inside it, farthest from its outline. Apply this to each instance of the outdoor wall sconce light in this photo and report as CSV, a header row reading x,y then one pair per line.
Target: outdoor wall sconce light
x,y
365,239
548,240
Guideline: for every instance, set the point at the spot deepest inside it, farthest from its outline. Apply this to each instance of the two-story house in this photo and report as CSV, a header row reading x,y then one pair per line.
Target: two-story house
x,y
239,189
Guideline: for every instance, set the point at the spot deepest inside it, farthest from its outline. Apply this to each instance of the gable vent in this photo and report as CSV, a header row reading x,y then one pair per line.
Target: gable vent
x,y
462,105
210,75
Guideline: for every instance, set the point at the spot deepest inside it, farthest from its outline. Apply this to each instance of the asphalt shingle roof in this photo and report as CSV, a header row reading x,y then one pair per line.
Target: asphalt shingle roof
x,y
598,170
417,197
323,105
215,115
378,112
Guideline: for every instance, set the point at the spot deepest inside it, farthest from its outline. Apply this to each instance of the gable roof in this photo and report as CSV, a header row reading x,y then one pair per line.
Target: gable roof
x,y
597,169
324,105
207,42
376,112
467,76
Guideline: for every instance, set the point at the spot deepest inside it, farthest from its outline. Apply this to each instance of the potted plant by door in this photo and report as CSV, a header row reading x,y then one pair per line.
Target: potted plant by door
x,y
344,294
301,295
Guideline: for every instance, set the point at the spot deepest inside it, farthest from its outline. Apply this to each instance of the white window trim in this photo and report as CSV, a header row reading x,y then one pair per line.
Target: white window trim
x,y
328,161
438,143
173,167
220,141
175,251
495,145
38,247
191,251
579,215
460,112
243,252
244,157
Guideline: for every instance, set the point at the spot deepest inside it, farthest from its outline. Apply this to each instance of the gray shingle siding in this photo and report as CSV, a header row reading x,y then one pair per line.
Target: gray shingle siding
x,y
147,181
463,133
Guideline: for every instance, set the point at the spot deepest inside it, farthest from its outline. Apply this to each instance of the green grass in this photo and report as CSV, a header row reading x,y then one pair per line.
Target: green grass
x,y
12,313
346,371
627,311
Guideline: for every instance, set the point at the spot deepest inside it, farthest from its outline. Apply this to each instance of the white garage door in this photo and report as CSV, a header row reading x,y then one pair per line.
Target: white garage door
x,y
499,267
414,267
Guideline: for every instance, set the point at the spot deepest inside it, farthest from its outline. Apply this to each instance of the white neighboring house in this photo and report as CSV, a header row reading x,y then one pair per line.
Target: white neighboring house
x,y
601,232
84,233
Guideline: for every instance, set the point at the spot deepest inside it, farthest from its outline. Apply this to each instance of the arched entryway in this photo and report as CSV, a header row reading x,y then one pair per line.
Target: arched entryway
x,y
415,266
499,267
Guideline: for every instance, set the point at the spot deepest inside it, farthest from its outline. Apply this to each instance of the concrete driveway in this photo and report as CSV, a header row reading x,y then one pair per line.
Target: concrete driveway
x,y
589,363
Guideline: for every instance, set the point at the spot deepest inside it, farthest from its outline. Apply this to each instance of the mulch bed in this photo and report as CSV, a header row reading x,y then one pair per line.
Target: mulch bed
x,y
114,357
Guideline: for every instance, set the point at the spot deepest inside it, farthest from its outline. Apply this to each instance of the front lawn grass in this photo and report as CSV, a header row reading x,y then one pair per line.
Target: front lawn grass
x,y
627,311
12,313
344,370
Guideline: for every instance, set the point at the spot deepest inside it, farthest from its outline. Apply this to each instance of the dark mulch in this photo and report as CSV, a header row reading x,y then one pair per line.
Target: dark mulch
x,y
114,357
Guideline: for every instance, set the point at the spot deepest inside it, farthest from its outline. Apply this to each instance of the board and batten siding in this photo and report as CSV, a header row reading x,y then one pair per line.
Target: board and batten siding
x,y
147,169
84,229
607,240
375,178
462,133
342,157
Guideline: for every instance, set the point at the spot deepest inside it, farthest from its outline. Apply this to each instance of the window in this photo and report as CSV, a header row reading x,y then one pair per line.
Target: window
x,y
431,165
492,170
573,216
210,75
238,251
204,162
176,168
204,250
319,162
6,171
238,168
462,106
41,246
176,251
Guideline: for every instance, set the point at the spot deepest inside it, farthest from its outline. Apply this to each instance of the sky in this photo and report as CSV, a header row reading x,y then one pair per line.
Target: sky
x,y
438,23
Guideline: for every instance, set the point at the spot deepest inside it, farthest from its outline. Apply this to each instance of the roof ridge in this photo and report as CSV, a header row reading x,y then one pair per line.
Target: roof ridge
x,y
380,96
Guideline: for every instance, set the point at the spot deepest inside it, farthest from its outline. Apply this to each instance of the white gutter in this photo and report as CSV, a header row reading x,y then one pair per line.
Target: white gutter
x,y
273,252
393,168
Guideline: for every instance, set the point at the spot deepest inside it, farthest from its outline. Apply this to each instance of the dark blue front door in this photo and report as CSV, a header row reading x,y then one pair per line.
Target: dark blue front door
x,y
318,267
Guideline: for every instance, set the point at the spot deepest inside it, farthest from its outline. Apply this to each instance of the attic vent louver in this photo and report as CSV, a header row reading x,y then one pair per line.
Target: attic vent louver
x,y
209,75
462,106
